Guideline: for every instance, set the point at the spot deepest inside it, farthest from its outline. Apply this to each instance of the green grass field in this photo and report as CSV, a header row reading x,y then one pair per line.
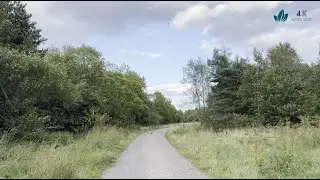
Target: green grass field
x,y
83,157
251,153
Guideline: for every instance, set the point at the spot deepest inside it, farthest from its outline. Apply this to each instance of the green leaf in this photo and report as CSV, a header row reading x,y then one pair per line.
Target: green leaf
x,y
275,18
280,15
285,17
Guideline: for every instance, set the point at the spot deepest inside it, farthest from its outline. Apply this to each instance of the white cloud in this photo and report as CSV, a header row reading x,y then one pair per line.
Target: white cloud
x,y
306,40
202,14
243,25
148,55
167,88
206,45
175,92
193,15
244,7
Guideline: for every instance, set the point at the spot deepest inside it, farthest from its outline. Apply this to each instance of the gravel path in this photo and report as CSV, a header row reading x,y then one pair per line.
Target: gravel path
x,y
151,156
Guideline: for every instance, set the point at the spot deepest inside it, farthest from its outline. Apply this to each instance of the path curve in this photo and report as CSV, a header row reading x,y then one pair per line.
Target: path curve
x,y
151,156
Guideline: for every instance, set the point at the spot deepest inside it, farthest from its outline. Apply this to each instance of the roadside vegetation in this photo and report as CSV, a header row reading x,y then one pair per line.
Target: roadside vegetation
x,y
278,152
62,155
66,112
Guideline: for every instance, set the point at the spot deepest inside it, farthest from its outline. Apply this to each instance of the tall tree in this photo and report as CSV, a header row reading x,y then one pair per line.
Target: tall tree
x,y
226,76
224,99
196,74
16,29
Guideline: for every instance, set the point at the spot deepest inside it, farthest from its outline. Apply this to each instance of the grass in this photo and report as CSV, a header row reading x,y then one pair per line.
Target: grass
x,y
278,152
67,157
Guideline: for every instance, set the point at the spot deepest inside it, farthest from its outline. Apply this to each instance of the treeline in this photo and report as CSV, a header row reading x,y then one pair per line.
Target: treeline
x,y
275,89
69,89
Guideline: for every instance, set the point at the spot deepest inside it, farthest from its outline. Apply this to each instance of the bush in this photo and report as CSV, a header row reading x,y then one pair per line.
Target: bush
x,y
27,80
311,121
242,121
38,93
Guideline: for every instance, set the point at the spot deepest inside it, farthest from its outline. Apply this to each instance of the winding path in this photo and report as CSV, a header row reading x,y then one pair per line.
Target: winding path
x,y
151,156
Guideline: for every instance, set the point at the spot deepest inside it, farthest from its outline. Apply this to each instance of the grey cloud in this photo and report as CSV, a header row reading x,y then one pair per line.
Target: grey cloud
x,y
77,20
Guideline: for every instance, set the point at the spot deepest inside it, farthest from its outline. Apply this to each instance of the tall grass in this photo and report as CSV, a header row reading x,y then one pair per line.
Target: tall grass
x,y
66,157
279,152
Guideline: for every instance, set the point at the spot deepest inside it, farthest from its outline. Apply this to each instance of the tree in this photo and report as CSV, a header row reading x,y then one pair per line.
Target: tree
x,y
34,93
249,90
196,74
16,29
284,91
163,107
279,87
224,99
226,76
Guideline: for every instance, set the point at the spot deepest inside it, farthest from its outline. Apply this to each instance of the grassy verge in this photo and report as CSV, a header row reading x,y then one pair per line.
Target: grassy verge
x,y
251,153
67,157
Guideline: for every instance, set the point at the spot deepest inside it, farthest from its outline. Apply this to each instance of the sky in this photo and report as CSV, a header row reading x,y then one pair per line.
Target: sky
x,y
157,38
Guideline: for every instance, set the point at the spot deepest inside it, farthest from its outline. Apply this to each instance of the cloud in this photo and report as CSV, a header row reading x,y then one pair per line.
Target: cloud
x,y
175,92
300,38
60,30
148,55
170,47
243,25
206,45
228,23
196,14
67,21
176,89
203,13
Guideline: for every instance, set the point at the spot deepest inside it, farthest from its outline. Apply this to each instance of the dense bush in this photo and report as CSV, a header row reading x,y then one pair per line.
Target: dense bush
x,y
191,115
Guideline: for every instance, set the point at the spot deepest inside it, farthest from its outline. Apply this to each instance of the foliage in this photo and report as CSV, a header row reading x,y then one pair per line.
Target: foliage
x,y
16,29
166,112
191,115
